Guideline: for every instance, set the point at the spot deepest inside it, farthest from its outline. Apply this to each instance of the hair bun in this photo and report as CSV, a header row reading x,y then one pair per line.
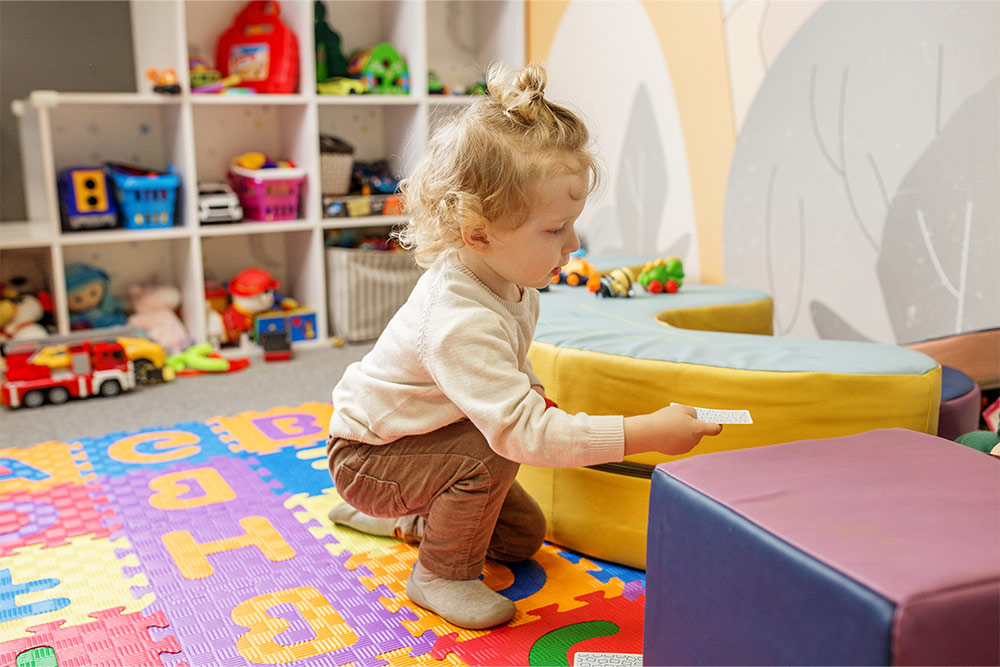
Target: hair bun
x,y
531,79
522,99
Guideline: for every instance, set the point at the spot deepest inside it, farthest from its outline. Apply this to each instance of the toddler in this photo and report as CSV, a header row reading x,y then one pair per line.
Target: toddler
x,y
429,428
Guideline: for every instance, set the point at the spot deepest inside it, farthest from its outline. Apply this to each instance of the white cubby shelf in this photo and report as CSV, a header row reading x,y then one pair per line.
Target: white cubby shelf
x,y
200,133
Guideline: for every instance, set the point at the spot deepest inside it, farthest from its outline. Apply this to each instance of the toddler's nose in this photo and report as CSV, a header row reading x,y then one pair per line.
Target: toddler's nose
x,y
572,242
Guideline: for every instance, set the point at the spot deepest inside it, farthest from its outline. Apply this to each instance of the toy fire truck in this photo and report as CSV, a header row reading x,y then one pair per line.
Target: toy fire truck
x,y
94,362
95,369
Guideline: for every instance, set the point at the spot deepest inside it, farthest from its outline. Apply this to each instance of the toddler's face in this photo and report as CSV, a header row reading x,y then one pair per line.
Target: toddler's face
x,y
532,254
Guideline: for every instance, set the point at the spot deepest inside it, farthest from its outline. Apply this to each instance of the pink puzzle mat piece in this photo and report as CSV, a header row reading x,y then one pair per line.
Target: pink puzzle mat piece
x,y
112,638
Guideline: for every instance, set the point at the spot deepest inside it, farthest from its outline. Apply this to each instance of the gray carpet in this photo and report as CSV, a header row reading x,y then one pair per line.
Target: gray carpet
x,y
308,376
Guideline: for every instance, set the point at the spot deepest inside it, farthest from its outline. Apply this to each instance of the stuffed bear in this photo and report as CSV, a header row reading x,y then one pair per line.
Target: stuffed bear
x,y
154,312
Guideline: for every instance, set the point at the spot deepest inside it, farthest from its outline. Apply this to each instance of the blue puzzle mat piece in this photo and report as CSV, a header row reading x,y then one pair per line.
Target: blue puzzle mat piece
x,y
294,471
152,448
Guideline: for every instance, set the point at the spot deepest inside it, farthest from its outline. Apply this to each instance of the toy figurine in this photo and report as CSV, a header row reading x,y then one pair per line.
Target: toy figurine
x,y
330,59
91,305
252,291
164,81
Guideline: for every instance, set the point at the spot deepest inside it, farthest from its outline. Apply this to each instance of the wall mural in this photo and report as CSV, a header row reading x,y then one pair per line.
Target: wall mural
x,y
863,193
646,204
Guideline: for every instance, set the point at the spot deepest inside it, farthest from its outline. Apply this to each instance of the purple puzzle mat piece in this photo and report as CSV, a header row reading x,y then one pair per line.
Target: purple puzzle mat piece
x,y
240,578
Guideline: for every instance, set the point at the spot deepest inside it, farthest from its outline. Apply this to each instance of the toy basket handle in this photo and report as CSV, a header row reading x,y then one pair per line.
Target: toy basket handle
x,y
257,10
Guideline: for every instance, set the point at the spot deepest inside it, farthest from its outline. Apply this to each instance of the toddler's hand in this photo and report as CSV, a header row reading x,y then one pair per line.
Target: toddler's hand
x,y
672,430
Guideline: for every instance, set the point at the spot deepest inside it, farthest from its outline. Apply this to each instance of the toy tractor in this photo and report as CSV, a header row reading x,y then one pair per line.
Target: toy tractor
x,y
662,275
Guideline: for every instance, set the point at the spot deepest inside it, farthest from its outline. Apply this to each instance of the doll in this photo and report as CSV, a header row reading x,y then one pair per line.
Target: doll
x,y
91,304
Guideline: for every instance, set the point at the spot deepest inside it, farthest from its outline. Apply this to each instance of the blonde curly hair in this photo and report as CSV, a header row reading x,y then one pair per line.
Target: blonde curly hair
x,y
481,165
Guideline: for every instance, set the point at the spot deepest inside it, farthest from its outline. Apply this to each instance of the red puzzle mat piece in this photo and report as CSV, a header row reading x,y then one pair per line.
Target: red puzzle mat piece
x,y
112,639
602,625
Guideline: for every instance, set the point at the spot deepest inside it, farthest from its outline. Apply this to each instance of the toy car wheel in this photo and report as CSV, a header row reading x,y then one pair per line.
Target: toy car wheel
x,y
143,371
33,399
111,388
58,395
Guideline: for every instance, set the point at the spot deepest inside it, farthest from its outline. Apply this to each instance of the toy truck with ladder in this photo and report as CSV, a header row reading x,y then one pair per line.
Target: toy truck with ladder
x,y
95,368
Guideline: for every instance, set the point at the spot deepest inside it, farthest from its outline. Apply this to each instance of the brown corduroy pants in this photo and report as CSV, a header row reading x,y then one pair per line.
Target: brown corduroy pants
x,y
452,494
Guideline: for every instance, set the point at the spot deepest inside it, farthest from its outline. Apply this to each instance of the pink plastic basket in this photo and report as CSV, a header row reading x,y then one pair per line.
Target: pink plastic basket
x,y
268,194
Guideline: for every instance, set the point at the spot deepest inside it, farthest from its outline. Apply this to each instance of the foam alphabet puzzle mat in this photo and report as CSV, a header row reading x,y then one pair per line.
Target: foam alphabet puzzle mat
x,y
207,544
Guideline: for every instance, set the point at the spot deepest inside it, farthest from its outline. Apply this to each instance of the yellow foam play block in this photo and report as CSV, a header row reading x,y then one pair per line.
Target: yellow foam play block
x,y
631,356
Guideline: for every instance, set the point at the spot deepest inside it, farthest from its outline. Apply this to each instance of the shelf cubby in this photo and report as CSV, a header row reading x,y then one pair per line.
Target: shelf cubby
x,y
201,133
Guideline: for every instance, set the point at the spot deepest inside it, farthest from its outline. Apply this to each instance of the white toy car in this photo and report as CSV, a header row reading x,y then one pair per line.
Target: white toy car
x,y
218,203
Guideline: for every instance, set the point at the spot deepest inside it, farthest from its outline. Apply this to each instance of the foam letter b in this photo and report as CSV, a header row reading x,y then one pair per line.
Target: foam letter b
x,y
258,645
169,489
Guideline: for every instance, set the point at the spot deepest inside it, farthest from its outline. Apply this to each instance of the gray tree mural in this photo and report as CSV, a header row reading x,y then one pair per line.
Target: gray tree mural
x,y
863,193
642,184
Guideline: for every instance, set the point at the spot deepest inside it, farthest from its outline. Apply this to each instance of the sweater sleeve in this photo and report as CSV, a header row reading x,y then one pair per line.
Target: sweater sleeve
x,y
471,358
530,372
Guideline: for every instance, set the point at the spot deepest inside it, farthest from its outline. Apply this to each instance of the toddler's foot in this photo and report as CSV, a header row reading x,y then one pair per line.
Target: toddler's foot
x,y
466,602
346,515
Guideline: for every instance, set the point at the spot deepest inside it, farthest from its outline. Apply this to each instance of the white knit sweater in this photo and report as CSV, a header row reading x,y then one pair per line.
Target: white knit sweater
x,y
456,350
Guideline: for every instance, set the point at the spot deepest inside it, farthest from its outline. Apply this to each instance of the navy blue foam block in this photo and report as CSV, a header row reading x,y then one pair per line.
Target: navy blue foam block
x,y
954,383
722,591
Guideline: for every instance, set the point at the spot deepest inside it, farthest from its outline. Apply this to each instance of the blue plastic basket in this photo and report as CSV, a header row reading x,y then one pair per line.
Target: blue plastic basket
x,y
146,199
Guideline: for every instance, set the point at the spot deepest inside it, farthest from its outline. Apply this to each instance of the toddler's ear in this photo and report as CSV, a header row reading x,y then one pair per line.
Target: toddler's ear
x,y
476,238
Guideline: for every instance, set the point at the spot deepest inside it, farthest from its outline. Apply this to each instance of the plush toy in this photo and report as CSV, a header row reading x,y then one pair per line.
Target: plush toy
x,y
7,310
25,315
91,304
983,441
155,312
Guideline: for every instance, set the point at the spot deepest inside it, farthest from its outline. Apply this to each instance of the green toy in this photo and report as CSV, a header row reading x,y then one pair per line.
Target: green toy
x,y
382,69
983,441
198,357
330,59
662,275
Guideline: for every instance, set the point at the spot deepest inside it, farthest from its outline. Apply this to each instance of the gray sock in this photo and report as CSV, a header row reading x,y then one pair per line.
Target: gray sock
x,y
468,603
346,515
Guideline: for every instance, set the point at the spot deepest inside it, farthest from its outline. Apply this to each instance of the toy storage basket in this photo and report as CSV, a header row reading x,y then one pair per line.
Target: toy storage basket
x,y
366,288
146,199
268,194
336,161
